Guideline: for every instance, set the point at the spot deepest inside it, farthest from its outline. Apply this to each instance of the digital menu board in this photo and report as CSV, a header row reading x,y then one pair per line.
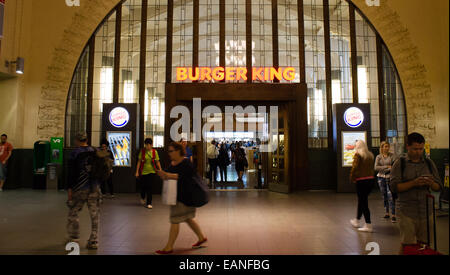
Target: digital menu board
x,y
120,146
349,140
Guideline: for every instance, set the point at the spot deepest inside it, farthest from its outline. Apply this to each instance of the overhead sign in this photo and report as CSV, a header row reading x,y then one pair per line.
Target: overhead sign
x,y
353,117
234,73
119,117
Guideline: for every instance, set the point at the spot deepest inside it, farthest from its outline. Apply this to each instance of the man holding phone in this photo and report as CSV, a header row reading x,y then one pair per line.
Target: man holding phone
x,y
412,177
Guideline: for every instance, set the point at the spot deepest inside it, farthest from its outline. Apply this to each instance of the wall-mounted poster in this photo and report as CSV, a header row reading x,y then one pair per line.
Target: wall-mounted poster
x,y
349,145
120,146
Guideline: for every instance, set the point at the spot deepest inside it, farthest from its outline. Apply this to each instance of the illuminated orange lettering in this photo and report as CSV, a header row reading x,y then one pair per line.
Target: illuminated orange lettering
x,y
205,74
218,74
266,74
289,74
241,73
257,74
182,74
196,76
230,74
276,73
235,73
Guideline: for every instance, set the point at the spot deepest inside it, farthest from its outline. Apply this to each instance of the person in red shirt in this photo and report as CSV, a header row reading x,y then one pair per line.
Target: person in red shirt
x,y
5,153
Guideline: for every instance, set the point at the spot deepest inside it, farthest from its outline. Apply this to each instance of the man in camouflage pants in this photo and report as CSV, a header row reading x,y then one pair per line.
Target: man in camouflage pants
x,y
82,190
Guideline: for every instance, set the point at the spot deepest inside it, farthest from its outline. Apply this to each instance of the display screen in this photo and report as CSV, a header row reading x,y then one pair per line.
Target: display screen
x,y
120,146
348,146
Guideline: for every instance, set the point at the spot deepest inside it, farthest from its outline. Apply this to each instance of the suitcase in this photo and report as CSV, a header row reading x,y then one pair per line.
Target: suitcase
x,y
425,249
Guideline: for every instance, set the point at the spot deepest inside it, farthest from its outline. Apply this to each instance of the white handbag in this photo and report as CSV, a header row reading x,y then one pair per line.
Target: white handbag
x,y
169,192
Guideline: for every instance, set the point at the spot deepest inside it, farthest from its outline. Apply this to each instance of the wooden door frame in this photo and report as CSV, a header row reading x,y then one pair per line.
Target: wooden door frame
x,y
294,95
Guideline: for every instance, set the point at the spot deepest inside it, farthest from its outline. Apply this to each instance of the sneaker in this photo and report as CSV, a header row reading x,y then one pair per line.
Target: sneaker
x,y
92,245
149,207
387,217
356,223
113,197
394,220
142,202
366,228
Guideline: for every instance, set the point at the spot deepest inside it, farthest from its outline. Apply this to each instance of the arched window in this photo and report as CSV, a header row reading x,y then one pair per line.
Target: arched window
x,y
333,47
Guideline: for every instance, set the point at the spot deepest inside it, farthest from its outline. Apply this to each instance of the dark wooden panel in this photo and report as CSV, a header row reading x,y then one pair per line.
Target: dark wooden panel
x,y
237,92
248,32
117,53
90,89
222,33
142,72
301,41
300,148
276,59
326,17
169,41
381,97
195,45
354,53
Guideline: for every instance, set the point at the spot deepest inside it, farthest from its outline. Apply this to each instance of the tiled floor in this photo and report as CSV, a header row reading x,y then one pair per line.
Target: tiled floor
x,y
249,180
254,222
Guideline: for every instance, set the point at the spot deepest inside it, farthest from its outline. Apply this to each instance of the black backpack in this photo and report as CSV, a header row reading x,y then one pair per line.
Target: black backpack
x,y
96,164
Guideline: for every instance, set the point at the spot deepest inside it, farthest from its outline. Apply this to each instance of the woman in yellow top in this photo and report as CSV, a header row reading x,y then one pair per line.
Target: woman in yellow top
x,y
146,169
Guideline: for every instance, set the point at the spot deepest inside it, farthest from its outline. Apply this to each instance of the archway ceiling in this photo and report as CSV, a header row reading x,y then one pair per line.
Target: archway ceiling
x,y
86,19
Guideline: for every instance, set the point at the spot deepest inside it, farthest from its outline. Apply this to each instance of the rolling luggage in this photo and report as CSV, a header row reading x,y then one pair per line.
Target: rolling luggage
x,y
425,249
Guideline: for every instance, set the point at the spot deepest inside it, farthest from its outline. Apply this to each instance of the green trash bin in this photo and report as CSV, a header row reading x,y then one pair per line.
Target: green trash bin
x,y
41,158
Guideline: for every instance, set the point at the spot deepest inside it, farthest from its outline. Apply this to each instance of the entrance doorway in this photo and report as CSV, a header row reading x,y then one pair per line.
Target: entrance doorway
x,y
242,161
275,169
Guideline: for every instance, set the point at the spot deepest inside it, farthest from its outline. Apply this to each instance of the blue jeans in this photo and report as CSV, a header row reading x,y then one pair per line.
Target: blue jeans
x,y
389,201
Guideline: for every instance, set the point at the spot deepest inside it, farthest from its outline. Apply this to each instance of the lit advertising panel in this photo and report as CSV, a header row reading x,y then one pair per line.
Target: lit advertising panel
x,y
349,140
120,146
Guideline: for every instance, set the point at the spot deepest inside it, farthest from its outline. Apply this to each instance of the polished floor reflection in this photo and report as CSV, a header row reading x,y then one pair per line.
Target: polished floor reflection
x,y
249,180
254,222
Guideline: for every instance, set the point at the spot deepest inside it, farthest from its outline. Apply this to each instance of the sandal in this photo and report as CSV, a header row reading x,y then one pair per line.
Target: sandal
x,y
199,244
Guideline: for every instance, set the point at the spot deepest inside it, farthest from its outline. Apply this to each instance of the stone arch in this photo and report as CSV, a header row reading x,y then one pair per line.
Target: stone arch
x,y
406,56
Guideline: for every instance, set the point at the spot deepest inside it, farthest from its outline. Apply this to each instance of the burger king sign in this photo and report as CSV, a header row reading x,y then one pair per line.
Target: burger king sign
x,y
353,117
119,117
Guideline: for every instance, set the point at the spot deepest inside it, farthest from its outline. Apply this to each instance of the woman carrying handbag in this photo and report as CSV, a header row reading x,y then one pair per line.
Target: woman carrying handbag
x,y
181,169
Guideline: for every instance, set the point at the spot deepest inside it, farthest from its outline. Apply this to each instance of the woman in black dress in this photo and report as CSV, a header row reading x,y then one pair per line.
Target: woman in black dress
x,y
181,169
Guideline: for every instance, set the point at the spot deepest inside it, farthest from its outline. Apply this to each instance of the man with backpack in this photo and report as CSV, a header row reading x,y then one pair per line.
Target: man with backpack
x,y
87,168
412,177
147,166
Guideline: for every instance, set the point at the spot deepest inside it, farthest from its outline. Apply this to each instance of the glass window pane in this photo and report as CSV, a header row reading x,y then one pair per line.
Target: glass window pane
x,y
130,49
341,73
183,17
288,36
368,72
235,35
315,74
103,74
155,72
77,102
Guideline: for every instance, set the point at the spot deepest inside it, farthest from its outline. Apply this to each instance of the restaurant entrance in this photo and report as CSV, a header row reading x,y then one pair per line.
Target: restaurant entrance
x,y
267,120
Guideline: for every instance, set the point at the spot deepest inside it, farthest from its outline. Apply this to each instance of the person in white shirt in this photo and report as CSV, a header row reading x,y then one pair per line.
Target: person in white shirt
x,y
212,154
